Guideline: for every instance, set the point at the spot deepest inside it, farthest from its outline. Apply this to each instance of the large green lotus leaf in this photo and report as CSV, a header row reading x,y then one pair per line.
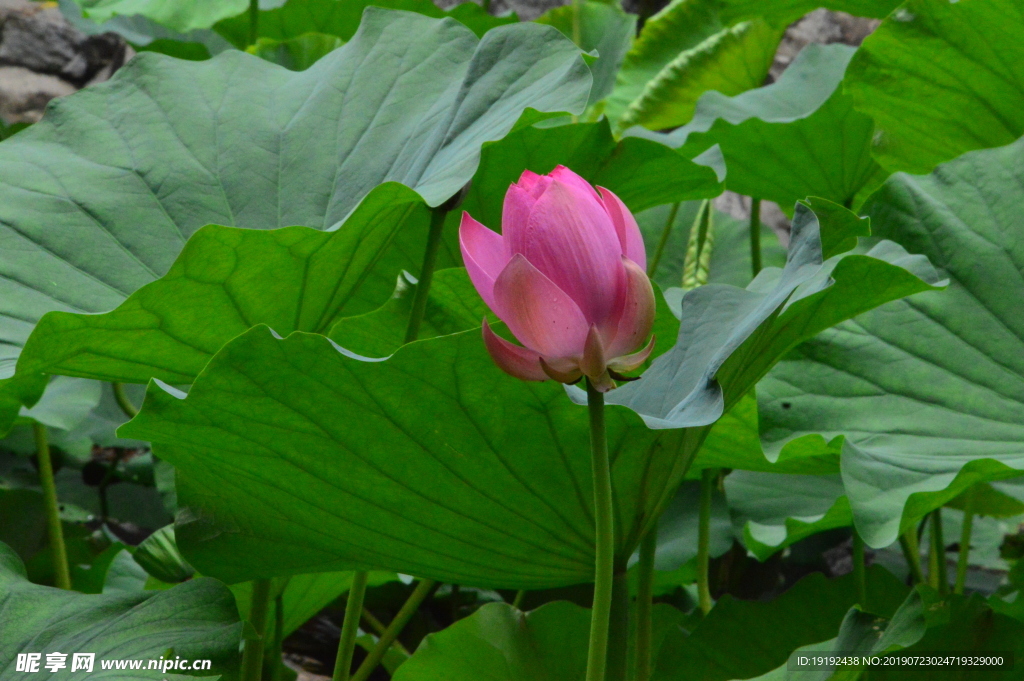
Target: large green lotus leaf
x,y
341,18
729,337
501,643
603,28
740,639
197,620
735,442
495,493
783,12
775,510
941,78
226,280
95,202
678,27
731,61
929,392
795,138
642,173
178,15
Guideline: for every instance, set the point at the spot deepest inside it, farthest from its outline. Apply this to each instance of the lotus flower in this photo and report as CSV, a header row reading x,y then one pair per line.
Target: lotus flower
x,y
567,276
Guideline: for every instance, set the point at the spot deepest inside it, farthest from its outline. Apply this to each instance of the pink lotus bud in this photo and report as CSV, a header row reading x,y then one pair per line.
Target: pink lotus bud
x,y
567,277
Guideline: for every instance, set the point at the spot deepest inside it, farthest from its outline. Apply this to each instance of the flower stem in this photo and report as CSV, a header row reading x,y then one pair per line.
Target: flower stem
x,y
600,614
419,301
652,266
859,569
350,627
755,235
645,605
965,542
517,602
276,663
252,656
937,563
708,477
129,409
58,552
406,612
577,22
254,21
912,554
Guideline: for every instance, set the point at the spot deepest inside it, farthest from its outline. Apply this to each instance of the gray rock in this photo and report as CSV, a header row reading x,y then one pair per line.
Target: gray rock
x,y
42,56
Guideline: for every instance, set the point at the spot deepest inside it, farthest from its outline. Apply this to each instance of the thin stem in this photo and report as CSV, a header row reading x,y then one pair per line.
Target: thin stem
x,y
963,559
666,231
276,664
58,552
707,485
350,627
129,409
859,569
254,21
517,602
252,656
912,554
577,22
939,579
604,570
406,612
645,605
755,235
379,628
419,301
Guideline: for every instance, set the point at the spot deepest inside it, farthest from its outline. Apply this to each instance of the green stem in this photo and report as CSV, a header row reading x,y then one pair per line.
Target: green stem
x,y
618,628
912,554
939,579
755,235
129,409
379,628
58,552
577,22
254,21
252,656
276,663
645,605
666,231
707,485
859,569
408,609
517,602
604,571
963,558
419,301
350,627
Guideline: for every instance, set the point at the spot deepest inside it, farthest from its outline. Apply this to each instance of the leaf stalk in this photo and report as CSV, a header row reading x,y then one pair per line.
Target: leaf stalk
x,y
58,551
604,569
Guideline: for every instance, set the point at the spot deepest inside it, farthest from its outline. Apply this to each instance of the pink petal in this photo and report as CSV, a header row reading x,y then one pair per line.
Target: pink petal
x,y
533,184
512,359
572,375
537,312
570,238
636,316
515,213
483,252
626,227
566,176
